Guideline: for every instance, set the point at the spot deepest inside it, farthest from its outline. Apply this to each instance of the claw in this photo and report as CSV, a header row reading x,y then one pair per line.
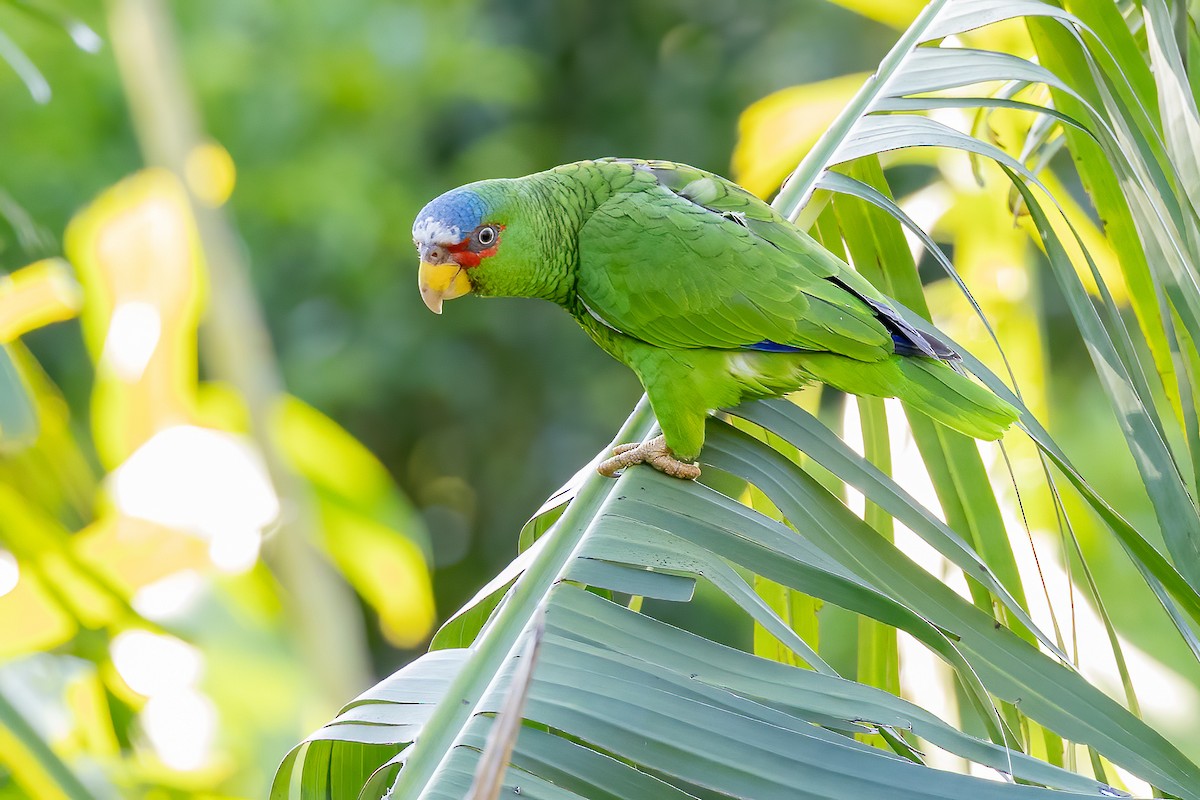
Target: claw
x,y
653,452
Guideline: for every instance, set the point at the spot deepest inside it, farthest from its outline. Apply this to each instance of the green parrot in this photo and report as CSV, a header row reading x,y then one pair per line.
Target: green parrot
x,y
706,292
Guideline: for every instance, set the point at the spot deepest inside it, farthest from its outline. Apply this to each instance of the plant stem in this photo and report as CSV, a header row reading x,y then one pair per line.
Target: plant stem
x,y
495,643
237,349
797,189
38,764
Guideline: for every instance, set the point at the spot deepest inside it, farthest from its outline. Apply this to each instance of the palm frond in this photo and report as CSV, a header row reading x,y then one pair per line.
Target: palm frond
x,y
624,705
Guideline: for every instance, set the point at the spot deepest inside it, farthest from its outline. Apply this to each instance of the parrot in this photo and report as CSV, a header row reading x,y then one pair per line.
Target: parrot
x,y
705,291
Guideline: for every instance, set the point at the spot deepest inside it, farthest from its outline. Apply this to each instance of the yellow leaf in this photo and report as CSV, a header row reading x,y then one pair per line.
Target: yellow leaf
x,y
899,14
334,461
86,698
137,254
43,548
131,553
31,619
219,405
369,528
775,132
387,569
35,296
210,173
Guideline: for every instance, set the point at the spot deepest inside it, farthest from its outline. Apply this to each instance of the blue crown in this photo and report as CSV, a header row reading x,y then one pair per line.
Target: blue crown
x,y
454,215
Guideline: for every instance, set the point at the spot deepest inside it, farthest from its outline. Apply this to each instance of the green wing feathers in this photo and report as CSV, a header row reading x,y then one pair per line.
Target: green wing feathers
x,y
664,269
681,259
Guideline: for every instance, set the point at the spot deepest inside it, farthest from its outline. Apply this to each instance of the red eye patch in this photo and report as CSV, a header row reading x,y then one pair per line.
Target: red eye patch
x,y
466,256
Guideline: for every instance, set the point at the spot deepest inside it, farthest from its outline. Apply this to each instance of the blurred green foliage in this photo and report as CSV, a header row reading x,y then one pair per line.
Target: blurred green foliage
x,y
345,118
342,119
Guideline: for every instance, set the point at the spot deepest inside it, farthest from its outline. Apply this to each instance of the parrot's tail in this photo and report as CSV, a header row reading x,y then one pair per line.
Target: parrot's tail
x,y
950,397
931,386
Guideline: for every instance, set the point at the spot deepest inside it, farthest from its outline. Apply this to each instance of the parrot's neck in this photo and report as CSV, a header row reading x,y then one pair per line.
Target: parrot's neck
x,y
567,196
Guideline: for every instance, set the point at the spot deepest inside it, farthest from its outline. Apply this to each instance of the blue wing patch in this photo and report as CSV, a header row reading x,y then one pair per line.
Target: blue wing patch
x,y
904,346
767,346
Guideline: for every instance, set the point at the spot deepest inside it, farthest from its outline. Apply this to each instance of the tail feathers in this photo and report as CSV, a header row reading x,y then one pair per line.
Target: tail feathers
x,y
954,399
930,385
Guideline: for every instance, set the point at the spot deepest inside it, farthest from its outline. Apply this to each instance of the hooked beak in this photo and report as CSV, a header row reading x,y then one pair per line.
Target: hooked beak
x,y
441,280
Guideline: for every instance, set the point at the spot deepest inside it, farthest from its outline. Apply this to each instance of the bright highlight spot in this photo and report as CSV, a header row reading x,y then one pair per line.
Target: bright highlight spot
x,y
84,37
925,208
180,723
202,481
152,664
9,572
1012,282
133,335
1166,698
181,727
235,550
170,596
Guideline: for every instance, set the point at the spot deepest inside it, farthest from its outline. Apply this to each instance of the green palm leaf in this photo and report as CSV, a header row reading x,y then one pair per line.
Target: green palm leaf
x,y
622,705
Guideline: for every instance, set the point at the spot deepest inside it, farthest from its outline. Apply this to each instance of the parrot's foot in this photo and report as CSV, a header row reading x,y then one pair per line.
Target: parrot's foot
x,y
653,452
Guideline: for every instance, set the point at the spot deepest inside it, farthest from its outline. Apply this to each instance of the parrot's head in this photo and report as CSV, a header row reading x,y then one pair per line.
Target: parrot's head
x,y
481,238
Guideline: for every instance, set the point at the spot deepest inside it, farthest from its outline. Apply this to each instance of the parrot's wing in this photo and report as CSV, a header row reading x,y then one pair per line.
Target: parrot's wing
x,y
685,259
727,199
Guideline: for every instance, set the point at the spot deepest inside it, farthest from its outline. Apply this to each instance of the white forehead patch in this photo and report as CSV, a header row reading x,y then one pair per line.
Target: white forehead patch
x,y
428,230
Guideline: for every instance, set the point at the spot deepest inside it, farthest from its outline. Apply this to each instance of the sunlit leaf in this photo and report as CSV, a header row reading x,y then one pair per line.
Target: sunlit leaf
x,y
135,249
776,131
897,13
373,533
32,618
35,296
31,761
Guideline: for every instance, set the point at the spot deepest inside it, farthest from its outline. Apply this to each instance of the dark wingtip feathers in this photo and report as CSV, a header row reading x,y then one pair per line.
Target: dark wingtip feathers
x,y
921,344
908,340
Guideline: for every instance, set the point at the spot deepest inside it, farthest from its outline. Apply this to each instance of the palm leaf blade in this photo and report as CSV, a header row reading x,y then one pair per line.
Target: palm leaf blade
x,y
622,705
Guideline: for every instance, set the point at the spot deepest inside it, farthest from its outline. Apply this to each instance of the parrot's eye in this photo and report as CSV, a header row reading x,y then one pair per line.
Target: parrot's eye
x,y
486,235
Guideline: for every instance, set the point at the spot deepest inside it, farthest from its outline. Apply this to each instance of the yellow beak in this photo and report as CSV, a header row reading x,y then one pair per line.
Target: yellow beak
x,y
440,282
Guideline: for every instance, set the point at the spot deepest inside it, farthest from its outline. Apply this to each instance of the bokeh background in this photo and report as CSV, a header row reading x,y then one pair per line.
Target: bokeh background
x,y
336,121
197,569
343,119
